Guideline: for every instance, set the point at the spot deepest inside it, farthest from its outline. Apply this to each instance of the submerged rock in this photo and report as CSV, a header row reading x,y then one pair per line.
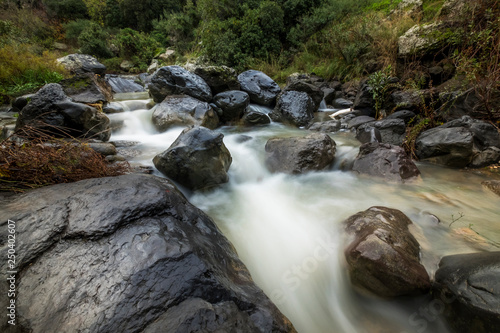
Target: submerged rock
x,y
179,110
467,289
126,254
175,80
252,118
198,159
386,161
383,256
300,154
261,88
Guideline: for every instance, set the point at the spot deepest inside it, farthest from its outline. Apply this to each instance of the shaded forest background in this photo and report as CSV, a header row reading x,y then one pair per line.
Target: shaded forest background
x,y
339,39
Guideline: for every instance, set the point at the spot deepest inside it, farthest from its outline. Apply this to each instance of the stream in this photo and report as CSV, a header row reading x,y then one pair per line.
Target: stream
x,y
287,229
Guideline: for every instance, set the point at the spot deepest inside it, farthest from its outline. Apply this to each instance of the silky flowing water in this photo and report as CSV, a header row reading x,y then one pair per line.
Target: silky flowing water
x,y
287,229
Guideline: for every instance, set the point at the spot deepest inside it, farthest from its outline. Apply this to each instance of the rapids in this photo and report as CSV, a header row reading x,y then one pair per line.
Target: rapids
x,y
287,229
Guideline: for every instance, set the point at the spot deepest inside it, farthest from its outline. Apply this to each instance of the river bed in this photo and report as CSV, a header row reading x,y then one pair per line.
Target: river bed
x,y
287,229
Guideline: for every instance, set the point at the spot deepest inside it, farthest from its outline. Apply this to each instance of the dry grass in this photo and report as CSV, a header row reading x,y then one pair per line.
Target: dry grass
x,y
47,161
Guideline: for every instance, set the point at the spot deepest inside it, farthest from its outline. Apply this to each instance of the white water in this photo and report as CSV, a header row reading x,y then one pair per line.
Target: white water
x,y
286,229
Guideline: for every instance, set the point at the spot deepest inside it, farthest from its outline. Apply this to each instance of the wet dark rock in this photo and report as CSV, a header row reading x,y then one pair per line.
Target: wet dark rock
x,y
311,90
103,148
180,110
50,110
360,120
87,88
392,131
342,103
81,64
366,134
252,118
447,146
124,84
300,154
326,126
219,78
407,99
20,102
198,159
364,98
492,185
175,80
383,256
460,143
126,254
385,161
459,103
328,95
406,115
468,291
261,88
233,104
295,108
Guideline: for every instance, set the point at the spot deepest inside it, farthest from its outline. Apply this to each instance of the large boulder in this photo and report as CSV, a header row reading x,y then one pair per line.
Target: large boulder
x,y
233,104
261,88
419,40
87,88
313,91
386,161
180,110
298,155
126,254
198,159
175,80
219,78
81,64
447,146
460,143
124,83
51,111
392,131
467,290
295,108
383,256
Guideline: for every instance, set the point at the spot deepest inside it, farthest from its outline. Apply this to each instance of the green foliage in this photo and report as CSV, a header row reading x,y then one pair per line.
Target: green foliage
x,y
177,29
93,41
74,29
66,9
380,84
235,42
23,71
137,46
139,15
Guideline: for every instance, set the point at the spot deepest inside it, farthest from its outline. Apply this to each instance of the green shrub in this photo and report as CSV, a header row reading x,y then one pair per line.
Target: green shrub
x,y
177,29
73,29
24,71
137,46
93,41
66,9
